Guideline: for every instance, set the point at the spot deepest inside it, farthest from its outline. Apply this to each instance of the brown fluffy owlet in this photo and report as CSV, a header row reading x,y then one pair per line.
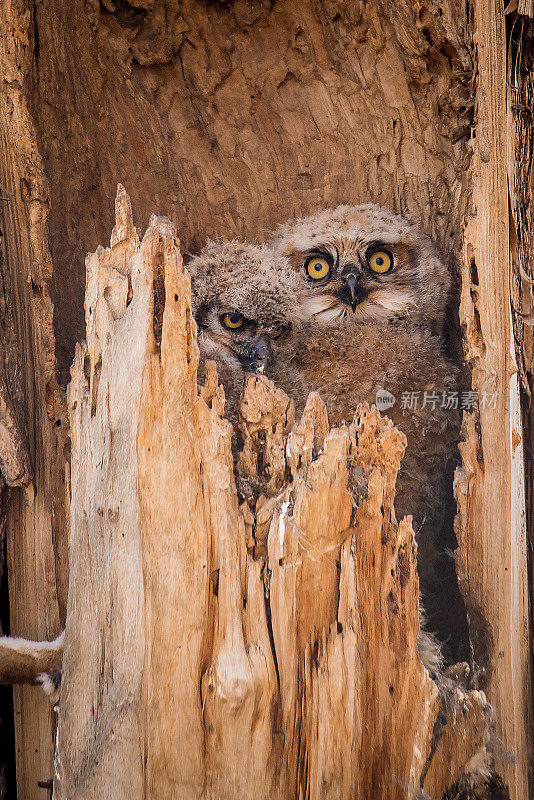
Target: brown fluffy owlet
x,y
363,264
373,292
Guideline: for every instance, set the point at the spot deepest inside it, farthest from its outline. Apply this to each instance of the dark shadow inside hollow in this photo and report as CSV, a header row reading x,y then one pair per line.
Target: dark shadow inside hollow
x,y
445,608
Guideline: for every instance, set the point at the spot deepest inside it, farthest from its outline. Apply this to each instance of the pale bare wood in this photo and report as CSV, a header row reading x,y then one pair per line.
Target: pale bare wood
x,y
197,672
175,533
102,743
492,558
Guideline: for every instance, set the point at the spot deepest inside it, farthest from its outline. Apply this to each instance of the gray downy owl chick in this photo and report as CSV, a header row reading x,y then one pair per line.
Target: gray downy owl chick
x,y
243,299
364,264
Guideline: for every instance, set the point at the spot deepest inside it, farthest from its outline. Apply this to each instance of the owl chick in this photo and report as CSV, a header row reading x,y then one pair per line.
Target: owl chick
x,y
364,264
243,299
373,291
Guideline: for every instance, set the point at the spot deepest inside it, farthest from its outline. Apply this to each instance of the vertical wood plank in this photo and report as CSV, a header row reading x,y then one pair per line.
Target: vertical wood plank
x,y
490,487
36,531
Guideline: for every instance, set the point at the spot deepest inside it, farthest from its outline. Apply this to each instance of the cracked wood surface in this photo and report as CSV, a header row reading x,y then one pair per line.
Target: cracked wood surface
x,y
206,668
35,412
229,118
490,485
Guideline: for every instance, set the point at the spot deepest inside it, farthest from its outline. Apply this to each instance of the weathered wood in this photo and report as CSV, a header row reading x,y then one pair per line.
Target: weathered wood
x,y
14,457
205,668
230,117
520,85
489,488
36,529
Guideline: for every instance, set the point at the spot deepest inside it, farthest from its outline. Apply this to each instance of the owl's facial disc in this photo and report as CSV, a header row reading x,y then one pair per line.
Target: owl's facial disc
x,y
352,279
245,340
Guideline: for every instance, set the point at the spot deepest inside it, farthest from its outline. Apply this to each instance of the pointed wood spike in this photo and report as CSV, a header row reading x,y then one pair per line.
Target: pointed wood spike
x,y
124,226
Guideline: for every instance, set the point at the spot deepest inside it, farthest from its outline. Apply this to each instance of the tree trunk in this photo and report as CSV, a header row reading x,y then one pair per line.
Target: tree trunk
x,y
229,117
324,695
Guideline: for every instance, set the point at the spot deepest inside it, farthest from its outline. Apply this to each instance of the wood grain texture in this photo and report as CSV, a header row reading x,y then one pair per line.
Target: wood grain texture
x,y
231,117
520,84
206,667
492,558
36,526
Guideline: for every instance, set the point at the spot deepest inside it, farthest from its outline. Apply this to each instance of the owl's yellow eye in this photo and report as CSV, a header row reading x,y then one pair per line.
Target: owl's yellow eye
x,y
317,267
380,262
232,321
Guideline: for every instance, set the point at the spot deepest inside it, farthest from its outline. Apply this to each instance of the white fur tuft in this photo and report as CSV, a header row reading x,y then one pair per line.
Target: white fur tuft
x,y
319,304
327,308
391,299
47,683
50,683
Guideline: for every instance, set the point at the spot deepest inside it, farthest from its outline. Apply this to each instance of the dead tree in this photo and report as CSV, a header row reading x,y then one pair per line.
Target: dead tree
x,y
179,679
229,117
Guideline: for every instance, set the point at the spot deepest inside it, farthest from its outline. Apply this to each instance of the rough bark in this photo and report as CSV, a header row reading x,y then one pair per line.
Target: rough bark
x,y
229,117
314,689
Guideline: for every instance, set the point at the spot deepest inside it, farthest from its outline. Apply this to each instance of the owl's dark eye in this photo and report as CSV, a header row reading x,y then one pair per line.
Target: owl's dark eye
x,y
317,267
380,261
232,321
275,333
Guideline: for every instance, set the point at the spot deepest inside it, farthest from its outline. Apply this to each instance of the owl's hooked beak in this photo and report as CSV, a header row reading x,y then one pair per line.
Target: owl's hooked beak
x,y
352,292
257,359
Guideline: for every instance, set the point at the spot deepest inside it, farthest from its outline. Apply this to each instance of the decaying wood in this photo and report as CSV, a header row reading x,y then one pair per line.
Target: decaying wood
x,y
490,486
230,117
36,530
520,84
14,457
200,663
